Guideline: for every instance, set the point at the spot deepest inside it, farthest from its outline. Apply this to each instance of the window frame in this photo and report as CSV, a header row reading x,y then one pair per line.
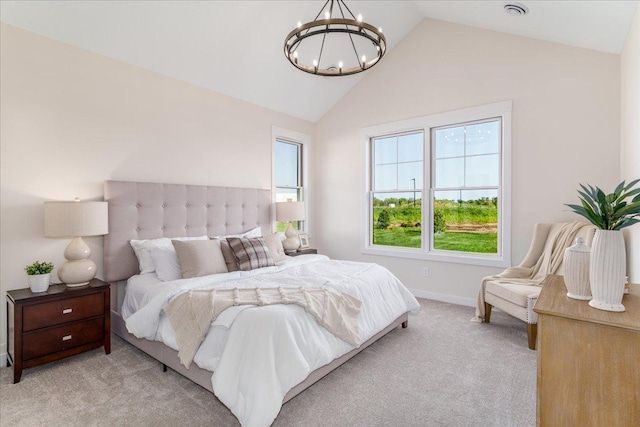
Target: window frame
x,y
427,124
304,141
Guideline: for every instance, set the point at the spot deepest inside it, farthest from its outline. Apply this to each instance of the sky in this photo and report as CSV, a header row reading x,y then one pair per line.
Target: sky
x,y
465,156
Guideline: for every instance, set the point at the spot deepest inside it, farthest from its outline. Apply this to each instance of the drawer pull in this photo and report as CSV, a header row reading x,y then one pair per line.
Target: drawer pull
x,y
66,338
67,310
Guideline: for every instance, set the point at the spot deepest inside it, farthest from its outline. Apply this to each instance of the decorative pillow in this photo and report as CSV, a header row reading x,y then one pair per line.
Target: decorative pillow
x,y
274,243
166,262
142,247
200,258
251,253
227,253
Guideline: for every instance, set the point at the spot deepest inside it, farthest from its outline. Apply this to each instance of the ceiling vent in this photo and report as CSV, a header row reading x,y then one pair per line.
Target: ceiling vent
x,y
516,9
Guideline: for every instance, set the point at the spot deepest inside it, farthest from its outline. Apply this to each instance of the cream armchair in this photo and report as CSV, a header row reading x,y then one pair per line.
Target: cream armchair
x,y
515,291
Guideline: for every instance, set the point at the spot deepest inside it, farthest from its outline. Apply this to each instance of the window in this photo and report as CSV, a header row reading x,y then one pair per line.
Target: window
x,y
397,189
438,187
290,151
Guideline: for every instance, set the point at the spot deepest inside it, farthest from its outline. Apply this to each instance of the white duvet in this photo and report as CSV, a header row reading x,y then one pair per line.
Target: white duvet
x,y
257,354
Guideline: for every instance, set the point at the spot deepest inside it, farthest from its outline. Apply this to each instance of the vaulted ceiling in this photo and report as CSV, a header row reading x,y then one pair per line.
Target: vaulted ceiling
x,y
236,47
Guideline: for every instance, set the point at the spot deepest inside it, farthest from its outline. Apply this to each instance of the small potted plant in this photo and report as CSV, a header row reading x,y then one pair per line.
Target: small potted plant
x,y
39,275
610,213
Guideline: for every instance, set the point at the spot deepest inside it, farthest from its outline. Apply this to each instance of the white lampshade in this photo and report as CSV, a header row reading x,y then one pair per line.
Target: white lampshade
x,y
290,211
73,219
76,219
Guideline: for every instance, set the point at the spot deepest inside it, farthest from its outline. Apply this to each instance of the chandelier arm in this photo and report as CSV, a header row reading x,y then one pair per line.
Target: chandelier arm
x,y
354,48
324,36
323,6
347,7
347,27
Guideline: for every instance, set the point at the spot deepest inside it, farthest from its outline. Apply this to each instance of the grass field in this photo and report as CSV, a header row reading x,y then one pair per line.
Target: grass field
x,y
456,240
465,226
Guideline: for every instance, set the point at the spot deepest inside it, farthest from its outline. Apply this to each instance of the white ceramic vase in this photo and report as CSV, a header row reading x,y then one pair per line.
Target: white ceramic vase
x,y
607,270
576,270
39,282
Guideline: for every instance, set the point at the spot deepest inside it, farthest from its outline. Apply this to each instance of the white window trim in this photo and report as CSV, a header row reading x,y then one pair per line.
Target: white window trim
x,y
426,123
304,140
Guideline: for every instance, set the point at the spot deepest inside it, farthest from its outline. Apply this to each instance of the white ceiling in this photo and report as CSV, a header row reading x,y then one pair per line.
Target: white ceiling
x,y
236,47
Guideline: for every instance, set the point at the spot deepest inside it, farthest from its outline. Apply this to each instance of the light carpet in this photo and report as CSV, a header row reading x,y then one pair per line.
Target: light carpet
x,y
441,371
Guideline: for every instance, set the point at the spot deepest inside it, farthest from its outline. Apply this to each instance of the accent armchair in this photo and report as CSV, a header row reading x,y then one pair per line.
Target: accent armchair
x,y
516,290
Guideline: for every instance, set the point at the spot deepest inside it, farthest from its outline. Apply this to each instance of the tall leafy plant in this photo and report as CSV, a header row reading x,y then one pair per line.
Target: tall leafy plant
x,y
610,211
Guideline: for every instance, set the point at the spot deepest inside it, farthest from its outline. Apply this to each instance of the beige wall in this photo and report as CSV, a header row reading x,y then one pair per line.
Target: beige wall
x,y
630,134
566,128
72,119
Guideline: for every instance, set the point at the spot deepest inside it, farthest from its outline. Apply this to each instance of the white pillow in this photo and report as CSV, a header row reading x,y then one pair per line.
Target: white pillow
x,y
255,232
274,243
142,247
166,262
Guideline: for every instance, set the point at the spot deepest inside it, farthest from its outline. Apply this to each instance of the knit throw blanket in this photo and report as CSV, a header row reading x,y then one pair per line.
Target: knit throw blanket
x,y
192,312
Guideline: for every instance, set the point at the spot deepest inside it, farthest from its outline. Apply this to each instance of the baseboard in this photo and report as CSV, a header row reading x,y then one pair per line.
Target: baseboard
x,y
418,293
3,360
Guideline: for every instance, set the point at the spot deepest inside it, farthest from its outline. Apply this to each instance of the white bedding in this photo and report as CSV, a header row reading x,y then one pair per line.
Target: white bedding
x,y
259,353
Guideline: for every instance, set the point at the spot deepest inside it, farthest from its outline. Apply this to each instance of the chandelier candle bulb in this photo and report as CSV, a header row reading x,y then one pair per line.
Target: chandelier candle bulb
x,y
359,18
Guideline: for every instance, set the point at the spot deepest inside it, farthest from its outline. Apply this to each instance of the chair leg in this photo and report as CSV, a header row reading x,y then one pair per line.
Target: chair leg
x,y
532,331
487,312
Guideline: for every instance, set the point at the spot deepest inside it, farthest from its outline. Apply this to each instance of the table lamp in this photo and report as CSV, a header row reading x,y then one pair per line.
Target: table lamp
x,y
76,220
290,211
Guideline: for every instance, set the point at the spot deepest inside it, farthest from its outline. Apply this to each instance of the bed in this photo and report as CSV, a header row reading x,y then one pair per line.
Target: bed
x,y
151,211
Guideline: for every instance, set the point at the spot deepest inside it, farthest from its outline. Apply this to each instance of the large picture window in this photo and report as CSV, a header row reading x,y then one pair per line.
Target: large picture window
x,y
438,187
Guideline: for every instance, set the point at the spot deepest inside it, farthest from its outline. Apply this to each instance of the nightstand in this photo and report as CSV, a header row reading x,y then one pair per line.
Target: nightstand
x,y
61,322
305,251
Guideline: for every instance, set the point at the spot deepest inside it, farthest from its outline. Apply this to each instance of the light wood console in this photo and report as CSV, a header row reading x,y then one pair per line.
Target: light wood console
x,y
588,360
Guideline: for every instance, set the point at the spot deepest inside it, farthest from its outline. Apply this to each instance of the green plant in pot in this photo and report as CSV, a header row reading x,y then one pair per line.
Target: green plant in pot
x,y
610,213
39,275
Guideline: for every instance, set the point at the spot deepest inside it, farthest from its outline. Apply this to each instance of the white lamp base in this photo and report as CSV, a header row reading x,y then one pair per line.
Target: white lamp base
x,y
79,269
291,243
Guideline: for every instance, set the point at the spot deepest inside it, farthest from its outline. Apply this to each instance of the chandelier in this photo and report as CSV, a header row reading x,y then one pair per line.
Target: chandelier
x,y
349,44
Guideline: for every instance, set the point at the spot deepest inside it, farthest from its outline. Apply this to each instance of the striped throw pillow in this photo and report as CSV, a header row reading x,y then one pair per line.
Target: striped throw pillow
x,y
250,253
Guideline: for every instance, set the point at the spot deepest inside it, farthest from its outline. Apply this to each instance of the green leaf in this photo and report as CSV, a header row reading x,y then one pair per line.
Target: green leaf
x,y
619,206
631,184
587,213
602,200
588,199
632,209
619,189
626,223
629,194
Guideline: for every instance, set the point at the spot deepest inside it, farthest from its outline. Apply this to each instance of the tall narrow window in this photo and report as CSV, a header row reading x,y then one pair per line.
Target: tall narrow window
x,y
288,176
466,186
396,196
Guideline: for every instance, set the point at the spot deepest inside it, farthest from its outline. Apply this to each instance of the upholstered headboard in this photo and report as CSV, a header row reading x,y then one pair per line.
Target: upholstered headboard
x,y
141,210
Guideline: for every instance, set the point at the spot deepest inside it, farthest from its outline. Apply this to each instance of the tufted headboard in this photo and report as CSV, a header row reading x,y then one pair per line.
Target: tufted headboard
x,y
141,210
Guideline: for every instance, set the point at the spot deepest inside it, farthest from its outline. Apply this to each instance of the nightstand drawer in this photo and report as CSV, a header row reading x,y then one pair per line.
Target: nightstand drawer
x,y
60,338
56,312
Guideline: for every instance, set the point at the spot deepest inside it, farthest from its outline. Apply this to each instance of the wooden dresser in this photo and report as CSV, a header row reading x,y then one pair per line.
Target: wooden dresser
x,y
61,322
588,360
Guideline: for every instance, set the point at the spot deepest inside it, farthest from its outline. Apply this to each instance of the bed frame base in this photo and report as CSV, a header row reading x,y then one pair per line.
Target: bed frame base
x,y
169,357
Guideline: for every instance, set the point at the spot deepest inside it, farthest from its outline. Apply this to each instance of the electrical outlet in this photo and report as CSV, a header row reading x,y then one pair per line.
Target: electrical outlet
x,y
425,271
